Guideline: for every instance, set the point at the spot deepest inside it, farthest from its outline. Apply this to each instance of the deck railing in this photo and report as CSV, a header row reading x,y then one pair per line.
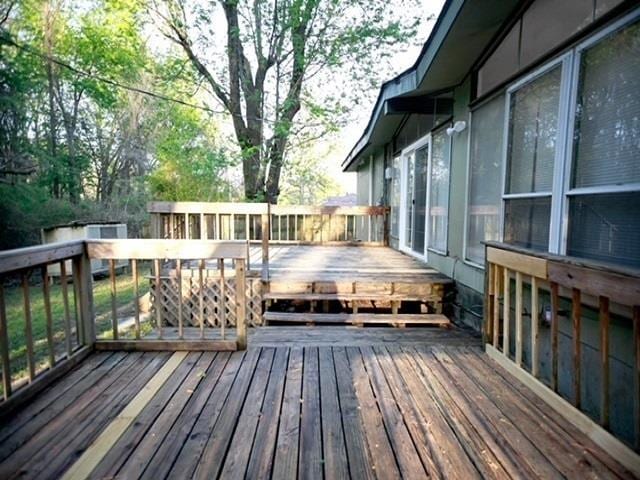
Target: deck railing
x,y
289,224
35,344
532,297
178,273
47,326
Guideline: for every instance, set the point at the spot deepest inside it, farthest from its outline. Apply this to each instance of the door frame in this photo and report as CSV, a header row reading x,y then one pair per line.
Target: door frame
x,y
404,187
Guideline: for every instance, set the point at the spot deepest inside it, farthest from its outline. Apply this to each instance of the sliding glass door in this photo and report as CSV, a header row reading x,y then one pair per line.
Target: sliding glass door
x,y
414,197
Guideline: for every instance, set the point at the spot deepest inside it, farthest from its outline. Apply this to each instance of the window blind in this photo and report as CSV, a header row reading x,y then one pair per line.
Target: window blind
x,y
483,210
607,125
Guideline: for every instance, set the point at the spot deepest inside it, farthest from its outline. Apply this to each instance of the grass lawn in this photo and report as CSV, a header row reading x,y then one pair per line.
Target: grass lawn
x,y
102,309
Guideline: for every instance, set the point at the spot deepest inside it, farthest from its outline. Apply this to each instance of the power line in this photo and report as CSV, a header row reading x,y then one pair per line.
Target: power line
x,y
6,38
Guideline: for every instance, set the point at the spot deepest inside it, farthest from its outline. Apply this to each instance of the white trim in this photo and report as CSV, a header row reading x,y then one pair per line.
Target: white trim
x,y
564,63
625,188
371,180
557,198
446,227
404,155
435,250
608,30
571,125
509,196
538,72
465,236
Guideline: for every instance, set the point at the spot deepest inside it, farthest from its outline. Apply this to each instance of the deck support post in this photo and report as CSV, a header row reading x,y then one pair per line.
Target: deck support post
x,y
266,228
241,304
84,278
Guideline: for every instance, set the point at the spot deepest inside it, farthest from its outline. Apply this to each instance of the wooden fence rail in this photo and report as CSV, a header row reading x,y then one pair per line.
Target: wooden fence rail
x,y
515,283
35,347
58,325
168,261
288,224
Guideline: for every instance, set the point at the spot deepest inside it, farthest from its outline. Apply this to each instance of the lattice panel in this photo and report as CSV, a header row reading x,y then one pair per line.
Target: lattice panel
x,y
212,306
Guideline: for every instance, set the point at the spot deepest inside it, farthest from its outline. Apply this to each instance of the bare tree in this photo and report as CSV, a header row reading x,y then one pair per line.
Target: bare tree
x,y
273,49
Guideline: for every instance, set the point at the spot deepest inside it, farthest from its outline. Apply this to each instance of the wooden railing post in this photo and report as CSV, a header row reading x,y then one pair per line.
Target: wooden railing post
x,y
241,304
84,279
266,228
4,346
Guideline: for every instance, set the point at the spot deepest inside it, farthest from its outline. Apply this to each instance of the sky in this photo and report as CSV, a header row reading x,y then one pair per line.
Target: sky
x,y
350,134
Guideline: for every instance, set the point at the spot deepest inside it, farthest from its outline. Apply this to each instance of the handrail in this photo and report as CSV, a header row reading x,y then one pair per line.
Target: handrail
x,y
516,280
64,347
23,337
171,260
30,257
288,224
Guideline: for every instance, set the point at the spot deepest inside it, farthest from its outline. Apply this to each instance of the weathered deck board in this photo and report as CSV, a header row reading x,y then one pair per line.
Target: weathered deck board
x,y
384,410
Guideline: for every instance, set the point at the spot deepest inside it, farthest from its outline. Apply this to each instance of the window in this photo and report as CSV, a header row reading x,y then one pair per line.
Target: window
x,y
485,167
531,151
439,190
572,155
604,189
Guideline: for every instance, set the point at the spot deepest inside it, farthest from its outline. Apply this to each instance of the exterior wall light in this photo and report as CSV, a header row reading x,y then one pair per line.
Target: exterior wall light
x,y
458,127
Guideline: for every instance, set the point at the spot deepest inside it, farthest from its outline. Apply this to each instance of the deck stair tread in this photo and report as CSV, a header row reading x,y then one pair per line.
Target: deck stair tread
x,y
414,318
380,296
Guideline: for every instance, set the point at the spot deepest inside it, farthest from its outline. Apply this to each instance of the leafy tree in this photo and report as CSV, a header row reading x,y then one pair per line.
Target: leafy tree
x,y
190,160
275,54
306,181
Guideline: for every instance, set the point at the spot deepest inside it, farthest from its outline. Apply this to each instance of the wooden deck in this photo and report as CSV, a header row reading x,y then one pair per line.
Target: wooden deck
x,y
365,406
295,262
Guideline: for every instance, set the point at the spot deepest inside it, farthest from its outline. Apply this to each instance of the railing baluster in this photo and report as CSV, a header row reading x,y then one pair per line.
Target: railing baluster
x,y
346,228
241,313
201,295
519,319
187,227
488,311
636,373
496,305
172,225
136,300
179,279
604,318
266,221
555,300
223,297
232,226
46,296
4,346
304,228
203,227
65,302
75,278
27,327
158,297
535,346
114,307
576,315
506,310
288,228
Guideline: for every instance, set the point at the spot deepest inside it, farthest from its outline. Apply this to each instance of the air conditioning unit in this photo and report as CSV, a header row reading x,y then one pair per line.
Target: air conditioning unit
x,y
83,231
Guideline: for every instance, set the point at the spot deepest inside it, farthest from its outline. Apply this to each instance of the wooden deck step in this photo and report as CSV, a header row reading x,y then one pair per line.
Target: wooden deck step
x,y
373,296
358,318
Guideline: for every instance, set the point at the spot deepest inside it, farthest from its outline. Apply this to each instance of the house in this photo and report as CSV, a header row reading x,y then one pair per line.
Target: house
x,y
518,123
505,163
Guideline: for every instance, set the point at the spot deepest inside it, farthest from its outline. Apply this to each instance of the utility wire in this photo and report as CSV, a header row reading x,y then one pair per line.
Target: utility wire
x,y
5,37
